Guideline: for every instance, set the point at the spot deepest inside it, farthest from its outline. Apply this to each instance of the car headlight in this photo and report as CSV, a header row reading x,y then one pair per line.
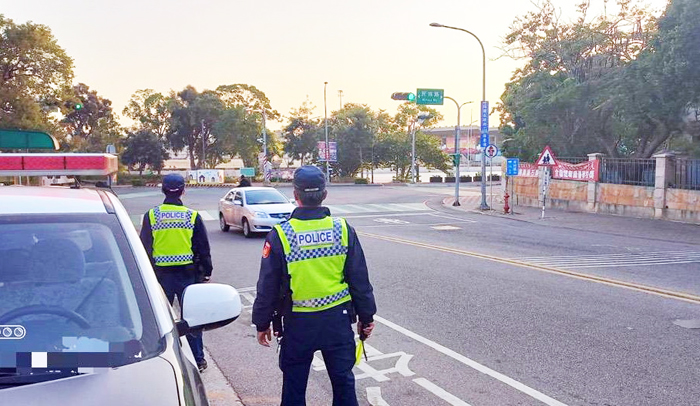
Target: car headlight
x,y
261,214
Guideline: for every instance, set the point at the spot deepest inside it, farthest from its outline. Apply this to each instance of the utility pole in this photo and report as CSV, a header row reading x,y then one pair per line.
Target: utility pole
x,y
340,95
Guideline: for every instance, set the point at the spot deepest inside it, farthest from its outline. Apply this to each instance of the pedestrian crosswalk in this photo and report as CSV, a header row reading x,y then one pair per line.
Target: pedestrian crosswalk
x,y
343,210
615,260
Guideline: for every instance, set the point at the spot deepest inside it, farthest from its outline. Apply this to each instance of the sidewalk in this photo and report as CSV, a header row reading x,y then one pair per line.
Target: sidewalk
x,y
594,222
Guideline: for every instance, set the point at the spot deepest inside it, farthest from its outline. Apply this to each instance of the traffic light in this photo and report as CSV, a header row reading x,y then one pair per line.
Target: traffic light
x,y
455,159
403,96
78,106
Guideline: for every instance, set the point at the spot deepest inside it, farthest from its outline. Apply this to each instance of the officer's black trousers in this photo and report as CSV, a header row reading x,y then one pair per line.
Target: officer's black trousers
x,y
329,331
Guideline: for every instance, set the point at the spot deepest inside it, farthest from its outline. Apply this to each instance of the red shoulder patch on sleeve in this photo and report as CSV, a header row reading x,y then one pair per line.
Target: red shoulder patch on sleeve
x,y
266,249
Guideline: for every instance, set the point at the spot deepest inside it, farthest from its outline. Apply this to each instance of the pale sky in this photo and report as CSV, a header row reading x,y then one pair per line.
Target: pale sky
x,y
366,48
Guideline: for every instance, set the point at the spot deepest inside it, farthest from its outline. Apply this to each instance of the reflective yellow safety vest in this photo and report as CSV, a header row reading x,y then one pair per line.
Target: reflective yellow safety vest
x,y
172,227
315,251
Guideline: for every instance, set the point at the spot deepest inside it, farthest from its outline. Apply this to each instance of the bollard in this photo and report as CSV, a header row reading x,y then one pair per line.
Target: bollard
x,y
506,208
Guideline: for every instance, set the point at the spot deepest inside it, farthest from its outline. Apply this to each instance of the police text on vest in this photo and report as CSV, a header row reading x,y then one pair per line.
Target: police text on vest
x,y
318,237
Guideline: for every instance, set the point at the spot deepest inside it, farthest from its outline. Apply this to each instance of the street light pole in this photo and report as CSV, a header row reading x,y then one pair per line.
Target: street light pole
x,y
457,149
484,206
325,119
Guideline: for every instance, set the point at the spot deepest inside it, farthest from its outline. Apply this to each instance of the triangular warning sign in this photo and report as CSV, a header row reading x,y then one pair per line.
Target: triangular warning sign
x,y
546,158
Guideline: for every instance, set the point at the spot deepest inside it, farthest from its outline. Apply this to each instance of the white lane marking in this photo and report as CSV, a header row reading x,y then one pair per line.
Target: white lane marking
x,y
206,216
410,206
616,260
473,364
441,393
338,210
384,215
374,396
249,289
250,298
391,221
445,228
358,208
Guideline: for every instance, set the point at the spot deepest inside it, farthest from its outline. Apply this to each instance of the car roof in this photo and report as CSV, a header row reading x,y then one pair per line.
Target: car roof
x,y
49,200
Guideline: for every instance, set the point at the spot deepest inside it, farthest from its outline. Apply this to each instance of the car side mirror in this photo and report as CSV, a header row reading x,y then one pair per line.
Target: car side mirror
x,y
207,306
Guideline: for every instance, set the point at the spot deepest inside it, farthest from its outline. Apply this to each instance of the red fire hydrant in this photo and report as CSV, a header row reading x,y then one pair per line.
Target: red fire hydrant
x,y
506,208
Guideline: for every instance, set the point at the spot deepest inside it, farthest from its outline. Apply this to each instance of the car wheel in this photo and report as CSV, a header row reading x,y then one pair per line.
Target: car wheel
x,y
222,223
246,229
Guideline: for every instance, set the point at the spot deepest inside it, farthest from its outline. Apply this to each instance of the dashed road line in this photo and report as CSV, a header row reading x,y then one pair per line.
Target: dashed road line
x,y
685,297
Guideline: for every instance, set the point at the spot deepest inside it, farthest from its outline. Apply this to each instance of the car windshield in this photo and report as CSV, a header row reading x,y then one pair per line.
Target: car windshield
x,y
271,196
70,288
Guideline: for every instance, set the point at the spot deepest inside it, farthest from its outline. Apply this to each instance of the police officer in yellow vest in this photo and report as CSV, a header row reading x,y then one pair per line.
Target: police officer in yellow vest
x,y
176,241
313,272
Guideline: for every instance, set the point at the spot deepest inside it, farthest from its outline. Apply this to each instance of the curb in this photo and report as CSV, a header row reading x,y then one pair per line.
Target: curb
x,y
218,388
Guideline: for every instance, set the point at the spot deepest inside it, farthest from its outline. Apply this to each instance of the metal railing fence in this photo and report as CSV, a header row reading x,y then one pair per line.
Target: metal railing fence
x,y
628,171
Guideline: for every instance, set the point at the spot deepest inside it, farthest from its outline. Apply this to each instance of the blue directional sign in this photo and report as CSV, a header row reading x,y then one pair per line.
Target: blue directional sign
x,y
484,117
484,140
512,166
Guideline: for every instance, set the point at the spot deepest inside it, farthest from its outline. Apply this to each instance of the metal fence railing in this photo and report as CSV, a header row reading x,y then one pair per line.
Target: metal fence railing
x,y
628,171
687,174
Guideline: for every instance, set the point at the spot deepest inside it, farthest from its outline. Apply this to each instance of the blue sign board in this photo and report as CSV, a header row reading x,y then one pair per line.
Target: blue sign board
x,y
484,117
484,140
512,166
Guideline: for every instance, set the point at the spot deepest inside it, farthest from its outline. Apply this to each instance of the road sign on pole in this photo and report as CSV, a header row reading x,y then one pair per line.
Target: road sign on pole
x,y
512,166
484,117
484,141
430,96
491,151
546,157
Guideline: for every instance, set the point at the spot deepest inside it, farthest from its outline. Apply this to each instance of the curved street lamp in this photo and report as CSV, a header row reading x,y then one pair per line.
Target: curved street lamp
x,y
484,206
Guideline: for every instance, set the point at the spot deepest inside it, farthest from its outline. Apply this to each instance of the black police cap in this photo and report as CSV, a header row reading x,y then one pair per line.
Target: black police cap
x,y
309,179
173,183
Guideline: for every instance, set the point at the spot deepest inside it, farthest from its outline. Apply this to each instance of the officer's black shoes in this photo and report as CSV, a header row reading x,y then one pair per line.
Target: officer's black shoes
x,y
202,365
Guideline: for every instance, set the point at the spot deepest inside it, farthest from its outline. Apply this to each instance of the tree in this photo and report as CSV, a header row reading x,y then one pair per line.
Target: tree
x,y
193,115
89,121
393,144
353,128
575,92
256,107
302,134
34,73
150,111
144,149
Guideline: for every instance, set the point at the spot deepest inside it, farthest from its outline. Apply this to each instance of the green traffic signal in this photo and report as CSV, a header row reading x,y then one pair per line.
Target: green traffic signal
x,y
78,106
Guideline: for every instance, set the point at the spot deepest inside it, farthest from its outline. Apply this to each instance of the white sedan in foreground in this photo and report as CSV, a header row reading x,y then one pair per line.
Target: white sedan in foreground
x,y
253,209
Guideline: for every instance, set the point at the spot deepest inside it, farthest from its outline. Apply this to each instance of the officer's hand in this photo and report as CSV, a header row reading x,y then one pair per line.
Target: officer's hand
x,y
264,337
365,328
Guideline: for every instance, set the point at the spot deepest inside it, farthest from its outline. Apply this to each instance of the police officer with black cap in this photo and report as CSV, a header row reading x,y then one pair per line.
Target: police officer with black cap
x,y
177,244
313,272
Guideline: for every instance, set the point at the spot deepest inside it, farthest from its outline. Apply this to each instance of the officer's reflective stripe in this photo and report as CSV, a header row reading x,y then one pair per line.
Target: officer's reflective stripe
x,y
164,220
173,258
322,301
296,253
172,227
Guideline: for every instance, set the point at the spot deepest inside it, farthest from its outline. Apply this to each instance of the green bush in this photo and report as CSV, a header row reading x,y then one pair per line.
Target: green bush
x,y
138,182
361,181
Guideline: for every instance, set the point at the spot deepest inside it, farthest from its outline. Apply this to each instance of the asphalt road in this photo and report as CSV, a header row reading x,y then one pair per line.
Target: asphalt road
x,y
486,309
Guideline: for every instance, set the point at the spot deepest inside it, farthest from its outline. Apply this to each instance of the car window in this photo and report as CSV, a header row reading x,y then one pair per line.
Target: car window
x,y
238,197
271,196
69,285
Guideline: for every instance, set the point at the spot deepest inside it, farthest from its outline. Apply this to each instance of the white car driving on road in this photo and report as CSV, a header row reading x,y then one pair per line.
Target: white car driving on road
x,y
253,209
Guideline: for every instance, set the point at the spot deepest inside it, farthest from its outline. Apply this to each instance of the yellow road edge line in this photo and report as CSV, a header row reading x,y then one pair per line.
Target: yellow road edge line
x,y
591,278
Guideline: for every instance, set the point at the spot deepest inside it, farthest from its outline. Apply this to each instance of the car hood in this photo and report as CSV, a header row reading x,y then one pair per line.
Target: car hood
x,y
149,382
272,208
